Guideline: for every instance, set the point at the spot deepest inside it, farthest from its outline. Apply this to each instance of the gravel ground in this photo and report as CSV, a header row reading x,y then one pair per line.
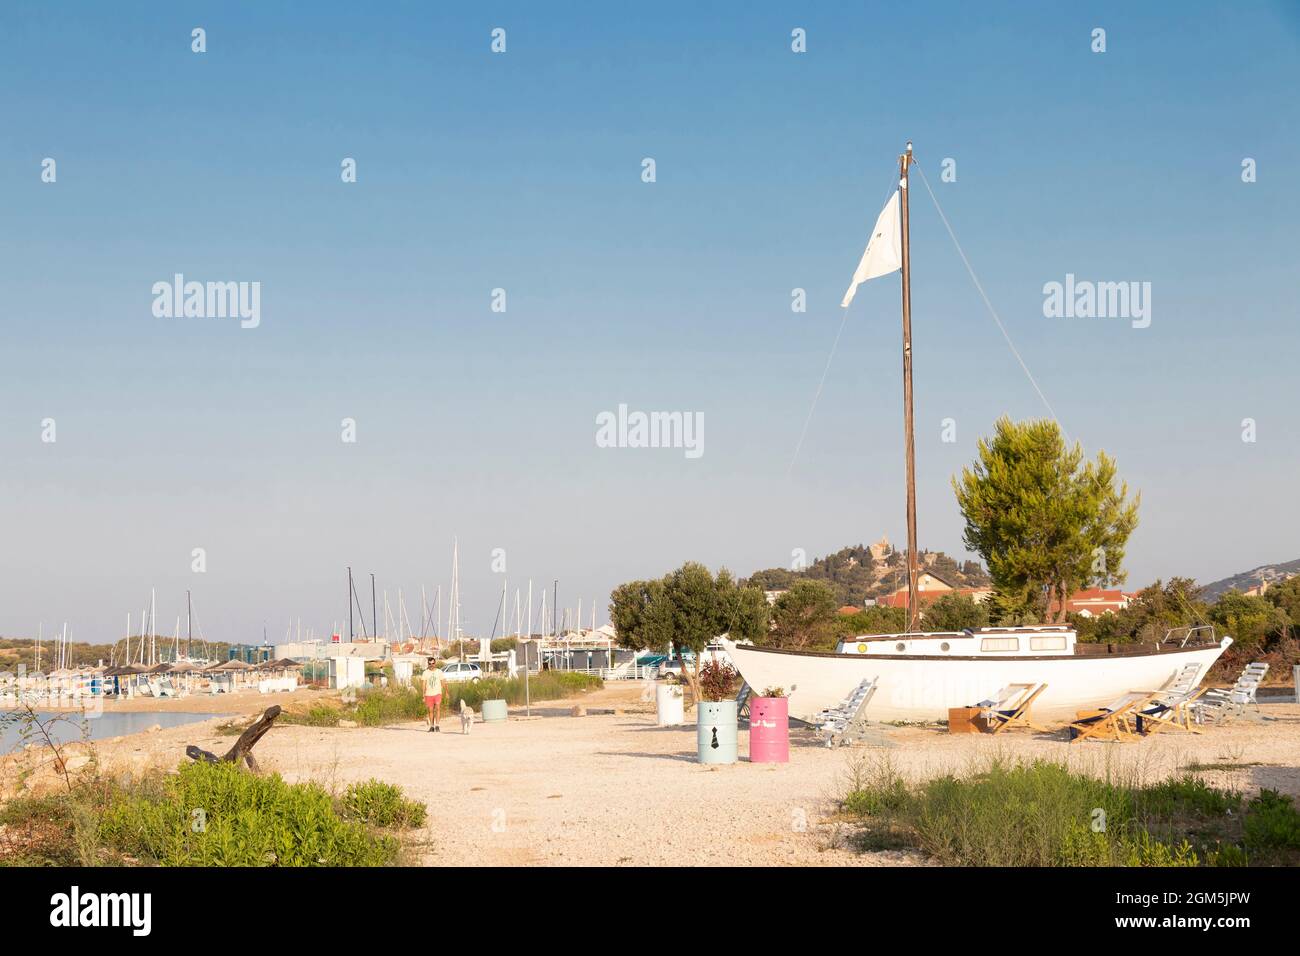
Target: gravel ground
x,y
611,788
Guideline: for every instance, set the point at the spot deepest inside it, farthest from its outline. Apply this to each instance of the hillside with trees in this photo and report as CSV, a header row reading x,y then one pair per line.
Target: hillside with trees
x,y
854,575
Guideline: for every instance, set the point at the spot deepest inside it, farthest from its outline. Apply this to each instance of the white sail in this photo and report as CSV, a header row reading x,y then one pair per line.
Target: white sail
x,y
884,253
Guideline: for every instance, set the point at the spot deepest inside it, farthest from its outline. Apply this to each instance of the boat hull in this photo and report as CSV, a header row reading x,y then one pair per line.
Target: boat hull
x,y
924,688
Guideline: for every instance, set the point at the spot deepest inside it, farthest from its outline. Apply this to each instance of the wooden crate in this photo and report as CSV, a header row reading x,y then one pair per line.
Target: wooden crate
x,y
966,720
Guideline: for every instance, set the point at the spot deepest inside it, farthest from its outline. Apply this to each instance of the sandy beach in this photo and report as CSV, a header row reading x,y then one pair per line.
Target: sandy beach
x,y
611,788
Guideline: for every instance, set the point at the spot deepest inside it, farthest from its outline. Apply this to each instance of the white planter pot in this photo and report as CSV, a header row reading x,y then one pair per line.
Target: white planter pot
x,y
670,705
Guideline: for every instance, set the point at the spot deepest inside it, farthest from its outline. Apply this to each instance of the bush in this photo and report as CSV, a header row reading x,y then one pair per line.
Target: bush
x,y
876,619
318,715
380,706
382,805
717,681
1041,813
1272,822
215,814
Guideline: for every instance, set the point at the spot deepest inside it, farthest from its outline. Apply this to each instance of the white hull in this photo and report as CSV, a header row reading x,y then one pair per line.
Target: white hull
x,y
923,689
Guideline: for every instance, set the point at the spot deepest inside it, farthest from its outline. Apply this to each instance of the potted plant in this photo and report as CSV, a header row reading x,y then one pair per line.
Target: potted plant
x,y
769,727
715,714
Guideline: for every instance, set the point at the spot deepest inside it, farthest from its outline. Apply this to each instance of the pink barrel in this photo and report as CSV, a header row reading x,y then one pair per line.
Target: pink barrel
x,y
769,730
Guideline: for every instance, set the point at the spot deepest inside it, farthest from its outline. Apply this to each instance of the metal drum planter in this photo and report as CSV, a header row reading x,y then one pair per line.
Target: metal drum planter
x,y
715,731
494,711
670,705
769,730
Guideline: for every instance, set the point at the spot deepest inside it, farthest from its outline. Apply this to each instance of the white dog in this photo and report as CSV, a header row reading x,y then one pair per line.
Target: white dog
x,y
466,717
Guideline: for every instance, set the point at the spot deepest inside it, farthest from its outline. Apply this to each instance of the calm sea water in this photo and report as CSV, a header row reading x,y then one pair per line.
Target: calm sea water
x,y
104,725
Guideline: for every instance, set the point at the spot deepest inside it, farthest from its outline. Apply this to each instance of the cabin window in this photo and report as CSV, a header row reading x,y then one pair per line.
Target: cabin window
x,y
1000,644
1056,643
900,647
945,646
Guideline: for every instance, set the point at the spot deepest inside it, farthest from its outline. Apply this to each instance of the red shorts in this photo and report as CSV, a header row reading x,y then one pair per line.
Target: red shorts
x,y
433,701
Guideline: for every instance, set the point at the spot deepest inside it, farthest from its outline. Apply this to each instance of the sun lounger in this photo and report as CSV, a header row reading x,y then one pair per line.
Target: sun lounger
x,y
1011,707
742,700
1220,706
1110,722
1171,705
847,722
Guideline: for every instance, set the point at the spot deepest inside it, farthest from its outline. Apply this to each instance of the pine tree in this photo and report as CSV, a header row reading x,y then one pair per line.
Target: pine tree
x,y
1045,521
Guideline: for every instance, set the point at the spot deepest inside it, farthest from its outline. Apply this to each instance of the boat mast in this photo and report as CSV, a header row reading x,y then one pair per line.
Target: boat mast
x,y
913,608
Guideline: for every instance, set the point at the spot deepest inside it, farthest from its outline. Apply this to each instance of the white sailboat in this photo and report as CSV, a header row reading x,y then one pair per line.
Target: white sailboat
x,y
920,675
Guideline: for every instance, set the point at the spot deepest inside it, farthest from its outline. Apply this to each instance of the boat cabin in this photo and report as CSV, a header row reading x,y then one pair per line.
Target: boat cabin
x,y
1041,641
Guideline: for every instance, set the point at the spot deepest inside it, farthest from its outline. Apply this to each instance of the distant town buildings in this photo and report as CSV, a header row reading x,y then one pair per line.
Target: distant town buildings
x,y
1094,602
930,587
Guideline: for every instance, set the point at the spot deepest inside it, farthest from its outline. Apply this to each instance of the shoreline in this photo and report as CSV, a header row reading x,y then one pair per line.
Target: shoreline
x,y
192,704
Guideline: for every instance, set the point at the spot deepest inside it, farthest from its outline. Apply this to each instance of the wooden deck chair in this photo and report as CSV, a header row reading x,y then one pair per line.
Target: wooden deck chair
x,y
1171,706
1110,722
1012,707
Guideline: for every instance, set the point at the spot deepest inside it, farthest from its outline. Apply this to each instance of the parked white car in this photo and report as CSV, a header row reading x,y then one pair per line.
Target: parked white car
x,y
455,673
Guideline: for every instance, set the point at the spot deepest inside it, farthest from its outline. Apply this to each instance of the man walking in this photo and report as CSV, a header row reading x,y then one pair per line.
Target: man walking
x,y
434,681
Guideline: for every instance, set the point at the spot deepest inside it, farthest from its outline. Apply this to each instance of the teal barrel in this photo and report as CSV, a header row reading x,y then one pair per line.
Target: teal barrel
x,y
715,731
494,711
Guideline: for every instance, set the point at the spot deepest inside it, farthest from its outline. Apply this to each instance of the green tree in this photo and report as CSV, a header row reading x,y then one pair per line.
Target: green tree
x,y
876,619
642,616
804,616
1253,622
954,612
1287,597
1045,521
1151,614
1009,606
684,611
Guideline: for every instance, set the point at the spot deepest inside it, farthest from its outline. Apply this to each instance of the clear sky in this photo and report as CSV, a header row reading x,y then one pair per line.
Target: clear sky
x,y
523,171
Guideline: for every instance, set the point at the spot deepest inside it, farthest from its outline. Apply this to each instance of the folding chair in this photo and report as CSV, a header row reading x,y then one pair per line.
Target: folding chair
x,y
1110,722
1011,707
742,700
847,722
1220,706
1171,705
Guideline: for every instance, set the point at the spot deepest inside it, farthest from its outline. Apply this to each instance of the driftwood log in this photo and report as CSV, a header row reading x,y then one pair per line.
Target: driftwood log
x,y
243,749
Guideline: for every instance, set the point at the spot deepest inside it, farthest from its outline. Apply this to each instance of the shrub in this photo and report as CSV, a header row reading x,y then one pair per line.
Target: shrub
x,y
382,805
380,706
215,814
1039,813
1272,822
716,681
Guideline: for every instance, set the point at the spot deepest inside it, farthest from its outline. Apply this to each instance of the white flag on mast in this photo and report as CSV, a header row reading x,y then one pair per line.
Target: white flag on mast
x,y
884,250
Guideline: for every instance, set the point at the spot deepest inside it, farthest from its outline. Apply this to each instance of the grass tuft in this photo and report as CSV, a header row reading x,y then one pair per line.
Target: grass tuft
x,y
207,815
1042,813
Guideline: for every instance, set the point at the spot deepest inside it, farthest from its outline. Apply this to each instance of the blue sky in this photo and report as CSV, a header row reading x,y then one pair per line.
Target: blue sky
x,y
522,171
